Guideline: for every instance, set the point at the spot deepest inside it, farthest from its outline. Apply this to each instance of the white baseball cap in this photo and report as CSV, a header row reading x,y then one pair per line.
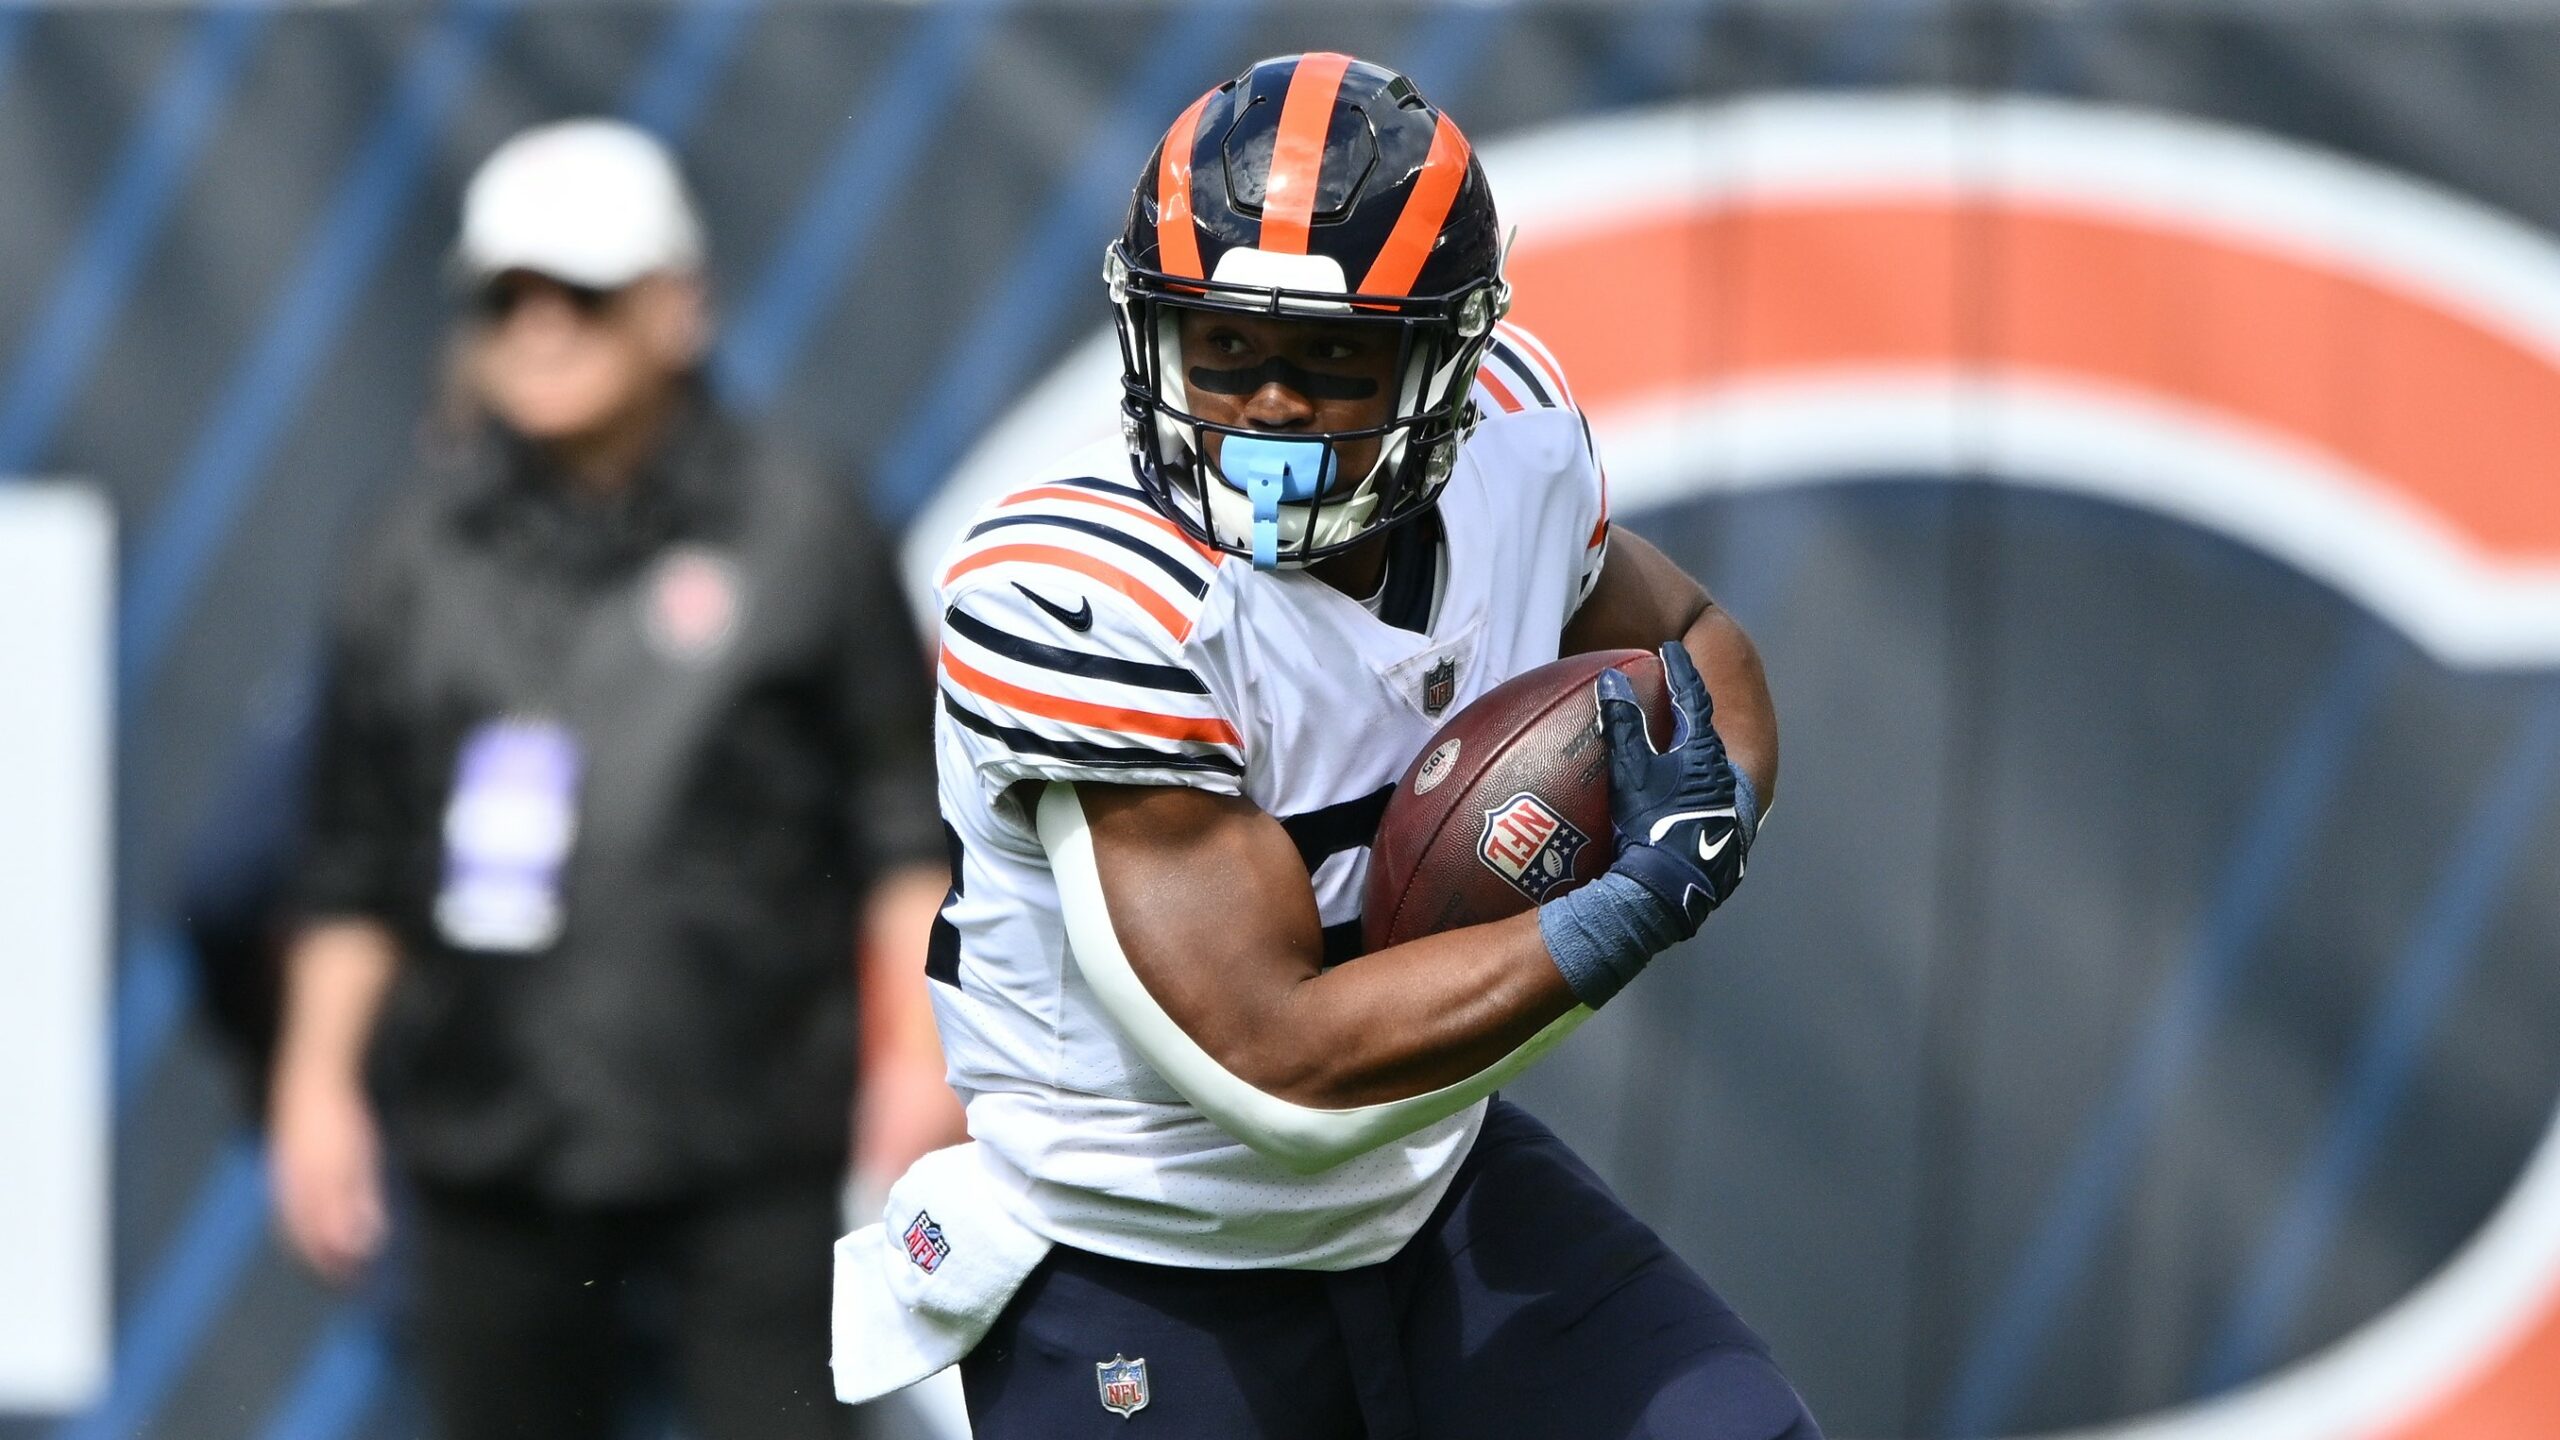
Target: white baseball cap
x,y
593,202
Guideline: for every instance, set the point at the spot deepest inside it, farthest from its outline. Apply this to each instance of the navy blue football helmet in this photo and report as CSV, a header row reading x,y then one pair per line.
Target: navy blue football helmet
x,y
1322,186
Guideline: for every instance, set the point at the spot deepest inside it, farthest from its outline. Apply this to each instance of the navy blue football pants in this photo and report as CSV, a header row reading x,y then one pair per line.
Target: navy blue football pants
x,y
1531,1305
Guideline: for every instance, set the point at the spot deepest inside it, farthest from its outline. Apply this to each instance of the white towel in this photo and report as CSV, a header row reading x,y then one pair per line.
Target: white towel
x,y
917,1291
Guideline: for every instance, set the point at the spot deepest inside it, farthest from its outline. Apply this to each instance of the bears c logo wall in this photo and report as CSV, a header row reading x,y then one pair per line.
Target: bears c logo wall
x,y
2368,390
1791,291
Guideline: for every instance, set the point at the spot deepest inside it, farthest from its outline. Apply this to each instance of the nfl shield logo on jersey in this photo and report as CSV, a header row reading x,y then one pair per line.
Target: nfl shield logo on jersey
x,y
925,1245
1123,1383
1439,686
1529,844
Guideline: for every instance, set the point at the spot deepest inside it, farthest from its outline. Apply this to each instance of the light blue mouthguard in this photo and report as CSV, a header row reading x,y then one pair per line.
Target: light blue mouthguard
x,y
1271,472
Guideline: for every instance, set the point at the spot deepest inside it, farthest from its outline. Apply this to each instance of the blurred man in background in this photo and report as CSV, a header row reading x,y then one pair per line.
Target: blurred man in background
x,y
624,725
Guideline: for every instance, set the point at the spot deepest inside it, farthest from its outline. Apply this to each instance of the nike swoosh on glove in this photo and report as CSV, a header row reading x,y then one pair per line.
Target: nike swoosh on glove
x,y
1684,819
1683,814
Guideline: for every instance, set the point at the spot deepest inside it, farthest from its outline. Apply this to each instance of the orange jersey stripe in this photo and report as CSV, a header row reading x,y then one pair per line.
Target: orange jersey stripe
x,y
1206,729
1297,152
1064,492
1502,395
1174,621
1177,240
1418,225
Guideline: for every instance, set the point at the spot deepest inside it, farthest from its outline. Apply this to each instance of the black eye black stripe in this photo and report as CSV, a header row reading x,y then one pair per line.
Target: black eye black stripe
x,y
1287,374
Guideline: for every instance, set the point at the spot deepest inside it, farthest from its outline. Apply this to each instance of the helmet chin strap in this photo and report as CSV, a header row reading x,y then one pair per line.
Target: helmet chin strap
x,y
1272,472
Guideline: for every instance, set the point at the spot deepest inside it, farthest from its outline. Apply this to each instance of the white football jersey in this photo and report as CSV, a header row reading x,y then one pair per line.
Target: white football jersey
x,y
1086,638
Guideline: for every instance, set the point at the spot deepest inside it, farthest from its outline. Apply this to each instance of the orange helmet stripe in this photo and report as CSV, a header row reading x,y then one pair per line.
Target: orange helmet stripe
x,y
1409,244
1297,152
1177,240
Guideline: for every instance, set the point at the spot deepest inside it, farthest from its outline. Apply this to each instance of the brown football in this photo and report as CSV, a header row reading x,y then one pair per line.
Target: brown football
x,y
1507,806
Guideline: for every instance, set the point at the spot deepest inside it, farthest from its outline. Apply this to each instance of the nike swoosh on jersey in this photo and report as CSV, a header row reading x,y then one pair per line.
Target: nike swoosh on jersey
x,y
1663,826
1080,618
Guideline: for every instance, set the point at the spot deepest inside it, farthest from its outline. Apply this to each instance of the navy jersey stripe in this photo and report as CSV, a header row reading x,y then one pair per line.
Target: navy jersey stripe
x,y
1343,942
1106,487
1183,575
1082,752
1413,569
1528,375
1074,662
1345,825
942,946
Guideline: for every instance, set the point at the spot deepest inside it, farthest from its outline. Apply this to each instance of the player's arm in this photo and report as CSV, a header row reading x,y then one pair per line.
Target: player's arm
x,y
1189,911
1190,914
1642,601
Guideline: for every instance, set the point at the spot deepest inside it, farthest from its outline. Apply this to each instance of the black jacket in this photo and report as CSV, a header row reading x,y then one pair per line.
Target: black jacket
x,y
726,647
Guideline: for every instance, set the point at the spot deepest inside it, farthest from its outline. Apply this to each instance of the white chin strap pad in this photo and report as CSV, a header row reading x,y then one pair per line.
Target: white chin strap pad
x,y
1301,1137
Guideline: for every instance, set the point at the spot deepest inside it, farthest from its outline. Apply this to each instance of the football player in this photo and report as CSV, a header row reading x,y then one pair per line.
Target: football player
x,y
1224,1172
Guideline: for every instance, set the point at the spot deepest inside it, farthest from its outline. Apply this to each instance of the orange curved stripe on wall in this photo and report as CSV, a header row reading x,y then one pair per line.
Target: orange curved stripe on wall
x,y
2517,1398
2459,419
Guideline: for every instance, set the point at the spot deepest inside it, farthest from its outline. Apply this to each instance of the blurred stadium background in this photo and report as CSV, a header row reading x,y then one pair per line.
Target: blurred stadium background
x,y
2132,430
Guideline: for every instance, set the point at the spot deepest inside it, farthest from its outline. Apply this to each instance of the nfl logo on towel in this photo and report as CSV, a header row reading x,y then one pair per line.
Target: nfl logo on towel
x,y
1123,1383
925,1245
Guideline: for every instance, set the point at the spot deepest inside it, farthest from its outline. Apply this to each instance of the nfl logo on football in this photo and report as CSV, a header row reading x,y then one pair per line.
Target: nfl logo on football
x,y
1123,1383
925,1245
1529,844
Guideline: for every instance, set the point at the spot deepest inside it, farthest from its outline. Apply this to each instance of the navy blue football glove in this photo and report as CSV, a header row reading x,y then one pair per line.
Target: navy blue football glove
x,y
1684,818
1683,814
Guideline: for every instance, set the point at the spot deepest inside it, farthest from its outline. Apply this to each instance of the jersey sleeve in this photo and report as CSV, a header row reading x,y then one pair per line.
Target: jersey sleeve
x,y
1066,622
1520,377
